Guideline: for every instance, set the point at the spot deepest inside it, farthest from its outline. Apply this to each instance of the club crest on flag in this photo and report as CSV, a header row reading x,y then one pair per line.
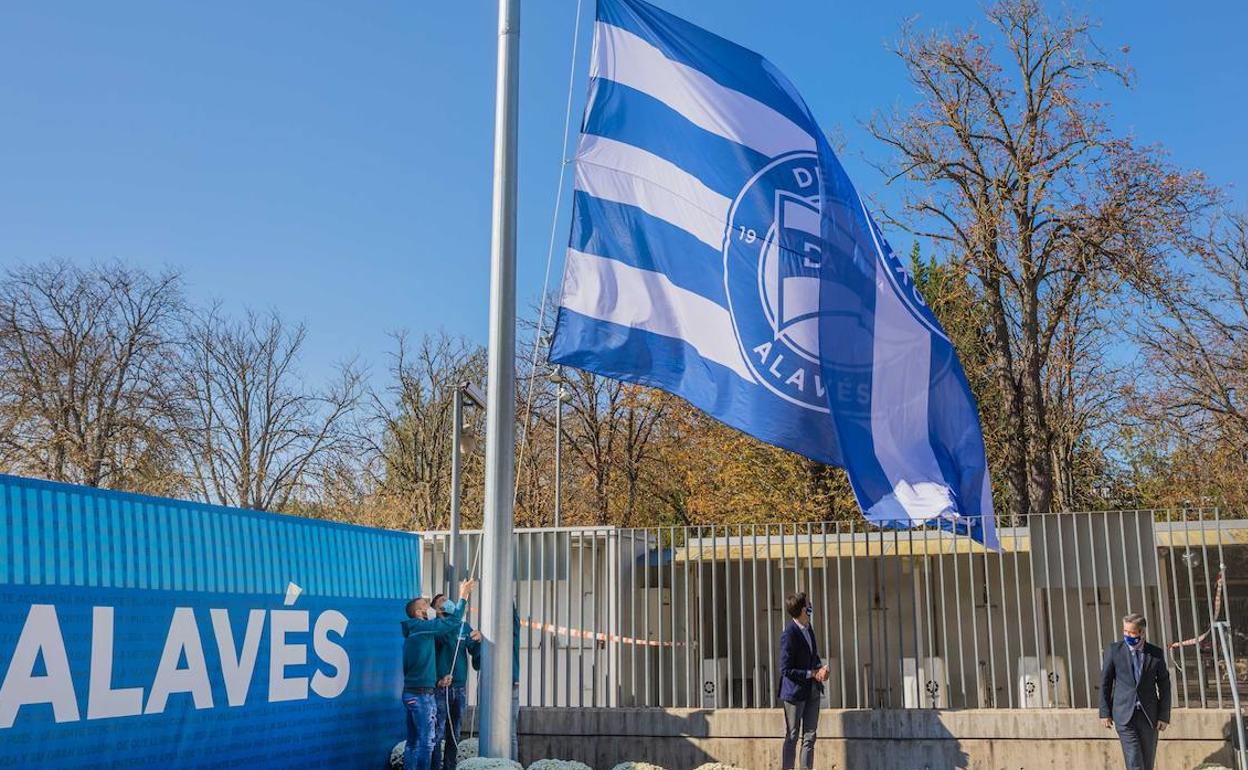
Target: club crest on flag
x,y
773,260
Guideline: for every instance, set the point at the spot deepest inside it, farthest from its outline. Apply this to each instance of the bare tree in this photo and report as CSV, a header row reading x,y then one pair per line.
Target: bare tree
x,y
592,429
644,411
86,358
1019,175
254,433
1085,391
1196,341
408,440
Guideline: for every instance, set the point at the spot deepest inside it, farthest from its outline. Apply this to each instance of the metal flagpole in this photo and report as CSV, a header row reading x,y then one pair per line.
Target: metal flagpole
x,y
497,561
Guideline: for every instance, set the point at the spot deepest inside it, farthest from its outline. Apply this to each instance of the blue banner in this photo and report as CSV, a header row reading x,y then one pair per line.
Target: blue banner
x,y
143,631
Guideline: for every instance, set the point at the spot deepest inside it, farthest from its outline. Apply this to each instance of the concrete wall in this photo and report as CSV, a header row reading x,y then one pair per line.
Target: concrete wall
x,y
998,739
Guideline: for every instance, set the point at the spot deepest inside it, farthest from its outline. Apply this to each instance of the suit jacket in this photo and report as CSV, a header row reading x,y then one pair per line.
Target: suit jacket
x,y
797,660
1120,691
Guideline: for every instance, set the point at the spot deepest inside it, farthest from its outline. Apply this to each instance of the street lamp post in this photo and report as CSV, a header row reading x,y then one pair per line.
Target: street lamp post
x,y
463,391
561,398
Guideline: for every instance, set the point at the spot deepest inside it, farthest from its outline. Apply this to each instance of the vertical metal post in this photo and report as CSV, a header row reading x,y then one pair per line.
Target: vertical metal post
x,y
742,603
916,623
970,576
727,602
719,697
771,632
672,606
701,620
1209,587
1109,577
1048,608
757,701
1080,606
1226,604
1139,553
658,608
946,654
1178,608
528,613
559,396
959,620
853,593
928,603
497,568
633,633
580,618
1037,634
884,615
797,561
840,610
645,607
560,567
1096,591
1018,610
1066,621
827,608
611,588
1162,609
784,619
567,619
1191,589
1005,625
593,606
1226,599
542,636
689,675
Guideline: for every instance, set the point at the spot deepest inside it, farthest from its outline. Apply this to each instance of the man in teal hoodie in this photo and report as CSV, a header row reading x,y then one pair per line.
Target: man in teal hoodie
x,y
453,660
421,632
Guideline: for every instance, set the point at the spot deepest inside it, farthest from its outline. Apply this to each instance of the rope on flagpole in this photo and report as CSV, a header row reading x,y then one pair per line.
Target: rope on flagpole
x,y
459,640
564,160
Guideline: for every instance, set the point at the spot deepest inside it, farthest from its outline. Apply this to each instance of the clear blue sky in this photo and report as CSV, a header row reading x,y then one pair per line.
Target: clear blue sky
x,y
331,160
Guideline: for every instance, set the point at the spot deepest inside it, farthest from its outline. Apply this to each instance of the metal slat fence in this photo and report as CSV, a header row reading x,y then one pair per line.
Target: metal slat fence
x,y
691,616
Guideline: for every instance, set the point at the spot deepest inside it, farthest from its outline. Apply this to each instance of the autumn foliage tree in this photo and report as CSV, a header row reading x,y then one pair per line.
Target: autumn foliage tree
x,y
1014,169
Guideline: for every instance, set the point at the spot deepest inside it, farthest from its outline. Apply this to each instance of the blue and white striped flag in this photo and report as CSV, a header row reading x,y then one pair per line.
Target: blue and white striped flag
x,y
719,252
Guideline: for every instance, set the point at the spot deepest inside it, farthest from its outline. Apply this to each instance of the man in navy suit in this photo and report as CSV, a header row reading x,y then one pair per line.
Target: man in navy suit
x,y
1135,693
802,675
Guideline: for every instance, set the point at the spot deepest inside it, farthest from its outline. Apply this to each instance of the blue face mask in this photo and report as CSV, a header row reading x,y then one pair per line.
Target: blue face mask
x,y
1131,640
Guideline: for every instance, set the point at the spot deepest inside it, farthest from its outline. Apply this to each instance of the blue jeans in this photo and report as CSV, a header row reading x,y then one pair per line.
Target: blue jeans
x,y
451,703
422,713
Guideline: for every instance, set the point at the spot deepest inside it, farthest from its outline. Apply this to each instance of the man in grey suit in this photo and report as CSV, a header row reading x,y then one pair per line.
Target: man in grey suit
x,y
1135,693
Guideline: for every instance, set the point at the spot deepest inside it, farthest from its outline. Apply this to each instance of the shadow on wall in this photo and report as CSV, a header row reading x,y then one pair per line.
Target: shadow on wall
x,y
929,744
618,735
1225,756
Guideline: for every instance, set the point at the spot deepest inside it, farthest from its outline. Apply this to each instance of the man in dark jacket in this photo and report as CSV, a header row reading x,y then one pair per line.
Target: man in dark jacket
x,y
802,675
421,632
453,655
1135,693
